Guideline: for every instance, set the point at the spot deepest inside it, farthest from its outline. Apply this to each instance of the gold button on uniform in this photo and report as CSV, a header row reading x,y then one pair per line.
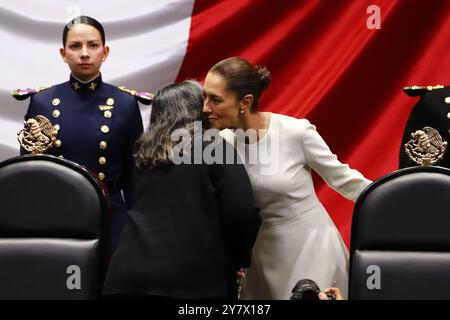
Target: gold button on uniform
x,y
447,100
107,114
56,113
56,127
104,129
58,143
102,160
110,101
448,115
56,102
101,176
103,145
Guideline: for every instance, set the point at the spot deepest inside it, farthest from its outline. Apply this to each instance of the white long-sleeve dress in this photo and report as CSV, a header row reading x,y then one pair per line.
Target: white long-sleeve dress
x,y
297,238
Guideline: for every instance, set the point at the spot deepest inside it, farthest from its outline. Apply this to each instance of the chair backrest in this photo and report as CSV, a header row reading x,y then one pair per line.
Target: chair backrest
x,y
53,218
400,241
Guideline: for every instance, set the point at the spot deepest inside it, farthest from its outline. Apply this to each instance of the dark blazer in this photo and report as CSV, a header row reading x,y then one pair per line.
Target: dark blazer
x,y
432,110
191,228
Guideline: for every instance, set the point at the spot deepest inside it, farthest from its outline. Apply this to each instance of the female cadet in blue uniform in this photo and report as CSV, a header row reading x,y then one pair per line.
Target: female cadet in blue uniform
x,y
94,123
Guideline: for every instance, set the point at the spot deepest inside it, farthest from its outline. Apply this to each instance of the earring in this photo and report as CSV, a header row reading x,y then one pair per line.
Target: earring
x,y
242,112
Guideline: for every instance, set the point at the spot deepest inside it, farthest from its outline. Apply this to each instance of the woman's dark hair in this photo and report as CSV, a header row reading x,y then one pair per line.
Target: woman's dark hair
x,y
83,20
176,106
243,78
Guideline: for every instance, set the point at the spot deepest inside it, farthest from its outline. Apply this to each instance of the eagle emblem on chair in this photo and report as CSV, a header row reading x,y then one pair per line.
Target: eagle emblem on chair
x,y
38,135
426,147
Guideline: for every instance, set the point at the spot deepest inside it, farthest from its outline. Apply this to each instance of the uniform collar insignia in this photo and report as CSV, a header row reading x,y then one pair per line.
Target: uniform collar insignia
x,y
75,85
91,85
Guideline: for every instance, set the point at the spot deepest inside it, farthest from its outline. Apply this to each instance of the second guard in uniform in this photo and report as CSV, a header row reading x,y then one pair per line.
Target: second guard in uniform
x,y
427,130
85,119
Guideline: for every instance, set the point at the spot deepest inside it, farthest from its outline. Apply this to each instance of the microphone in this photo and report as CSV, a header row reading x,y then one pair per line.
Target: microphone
x,y
307,289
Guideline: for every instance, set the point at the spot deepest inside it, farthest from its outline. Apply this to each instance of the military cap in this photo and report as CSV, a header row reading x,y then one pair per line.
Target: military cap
x,y
418,90
427,130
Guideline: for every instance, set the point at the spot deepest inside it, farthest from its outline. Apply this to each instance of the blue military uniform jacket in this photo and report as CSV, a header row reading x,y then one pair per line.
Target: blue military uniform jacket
x,y
97,125
432,111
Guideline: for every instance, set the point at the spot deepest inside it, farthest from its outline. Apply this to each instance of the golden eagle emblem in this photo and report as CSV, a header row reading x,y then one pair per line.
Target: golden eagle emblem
x,y
426,147
38,135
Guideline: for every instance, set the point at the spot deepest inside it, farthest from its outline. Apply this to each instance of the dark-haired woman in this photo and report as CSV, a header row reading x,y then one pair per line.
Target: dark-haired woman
x,y
297,238
193,224
94,123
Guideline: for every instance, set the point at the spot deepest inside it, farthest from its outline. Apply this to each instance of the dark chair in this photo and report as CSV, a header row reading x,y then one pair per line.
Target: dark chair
x,y
53,226
400,241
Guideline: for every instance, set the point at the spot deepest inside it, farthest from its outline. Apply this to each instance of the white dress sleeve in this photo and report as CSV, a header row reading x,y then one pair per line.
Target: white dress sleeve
x,y
318,156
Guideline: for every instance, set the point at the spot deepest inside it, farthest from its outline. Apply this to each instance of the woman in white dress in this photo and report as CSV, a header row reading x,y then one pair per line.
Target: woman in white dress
x,y
297,238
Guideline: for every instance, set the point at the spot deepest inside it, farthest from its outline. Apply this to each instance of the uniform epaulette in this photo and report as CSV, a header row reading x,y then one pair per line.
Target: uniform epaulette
x,y
144,97
418,90
24,93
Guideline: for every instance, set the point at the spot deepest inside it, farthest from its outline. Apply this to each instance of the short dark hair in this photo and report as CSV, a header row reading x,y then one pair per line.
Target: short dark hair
x,y
176,106
243,78
83,20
